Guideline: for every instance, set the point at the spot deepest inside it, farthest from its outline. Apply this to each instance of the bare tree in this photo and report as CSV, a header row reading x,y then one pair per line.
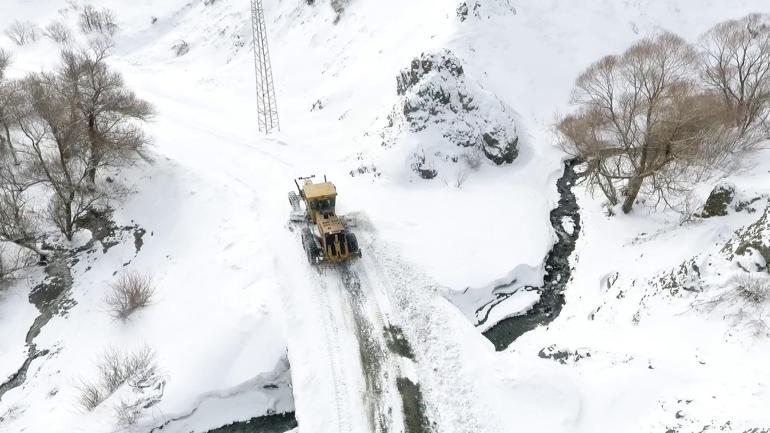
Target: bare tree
x,y
641,120
58,32
111,113
5,61
12,260
736,66
52,147
18,223
8,98
22,32
101,21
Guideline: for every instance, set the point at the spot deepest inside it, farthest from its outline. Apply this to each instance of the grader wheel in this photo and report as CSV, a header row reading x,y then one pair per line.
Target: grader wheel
x,y
309,245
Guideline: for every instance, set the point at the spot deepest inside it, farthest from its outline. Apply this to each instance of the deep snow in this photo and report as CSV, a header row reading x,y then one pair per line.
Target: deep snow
x,y
236,298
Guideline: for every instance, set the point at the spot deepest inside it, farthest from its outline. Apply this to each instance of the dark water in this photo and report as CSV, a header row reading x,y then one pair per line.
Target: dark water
x,y
280,423
558,270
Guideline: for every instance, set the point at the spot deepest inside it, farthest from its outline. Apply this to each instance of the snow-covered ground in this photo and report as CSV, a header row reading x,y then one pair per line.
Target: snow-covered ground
x,y
237,301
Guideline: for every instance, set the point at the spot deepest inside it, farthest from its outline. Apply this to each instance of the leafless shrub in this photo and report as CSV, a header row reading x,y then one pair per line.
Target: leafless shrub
x,y
180,48
753,291
58,32
111,370
139,367
127,414
22,32
129,293
747,299
100,21
90,395
460,177
136,368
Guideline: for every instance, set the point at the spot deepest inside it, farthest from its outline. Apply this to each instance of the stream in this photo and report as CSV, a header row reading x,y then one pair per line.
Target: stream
x,y
565,219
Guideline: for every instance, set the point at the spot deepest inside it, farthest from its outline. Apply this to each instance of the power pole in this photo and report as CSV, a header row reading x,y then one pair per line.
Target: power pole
x,y
267,109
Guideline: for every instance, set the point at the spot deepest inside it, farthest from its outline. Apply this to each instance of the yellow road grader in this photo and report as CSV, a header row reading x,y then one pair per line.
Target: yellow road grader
x,y
325,238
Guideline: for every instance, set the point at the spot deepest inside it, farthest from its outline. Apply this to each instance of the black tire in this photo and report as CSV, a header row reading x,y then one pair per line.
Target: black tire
x,y
352,243
309,245
293,200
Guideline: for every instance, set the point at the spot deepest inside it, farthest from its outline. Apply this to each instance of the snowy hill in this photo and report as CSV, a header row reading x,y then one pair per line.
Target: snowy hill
x,y
242,327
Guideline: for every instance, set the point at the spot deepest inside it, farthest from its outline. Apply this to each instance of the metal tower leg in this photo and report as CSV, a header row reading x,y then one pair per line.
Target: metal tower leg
x,y
267,110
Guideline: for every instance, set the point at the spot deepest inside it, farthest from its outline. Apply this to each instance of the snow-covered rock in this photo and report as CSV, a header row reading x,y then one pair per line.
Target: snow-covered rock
x,y
483,8
453,119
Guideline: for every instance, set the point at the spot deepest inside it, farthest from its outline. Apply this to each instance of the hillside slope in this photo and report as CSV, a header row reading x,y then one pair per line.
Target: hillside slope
x,y
242,327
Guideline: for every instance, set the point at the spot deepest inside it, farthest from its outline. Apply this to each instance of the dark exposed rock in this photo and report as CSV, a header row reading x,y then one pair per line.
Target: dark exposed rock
x,y
422,66
500,153
756,238
718,202
563,356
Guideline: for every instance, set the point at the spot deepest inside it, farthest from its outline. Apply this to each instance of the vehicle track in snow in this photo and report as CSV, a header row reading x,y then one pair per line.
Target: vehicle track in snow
x,y
333,353
444,399
375,362
353,314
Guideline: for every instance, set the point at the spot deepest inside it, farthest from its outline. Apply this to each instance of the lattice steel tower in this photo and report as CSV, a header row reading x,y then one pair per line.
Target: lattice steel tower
x,y
267,110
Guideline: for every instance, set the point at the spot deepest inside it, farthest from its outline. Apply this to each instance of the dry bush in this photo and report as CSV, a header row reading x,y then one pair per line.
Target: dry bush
x,y
139,367
136,368
752,291
58,32
131,292
460,177
90,395
111,370
127,414
22,32
747,299
180,48
100,21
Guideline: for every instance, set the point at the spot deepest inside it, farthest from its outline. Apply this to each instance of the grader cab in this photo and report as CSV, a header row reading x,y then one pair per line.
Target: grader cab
x,y
325,238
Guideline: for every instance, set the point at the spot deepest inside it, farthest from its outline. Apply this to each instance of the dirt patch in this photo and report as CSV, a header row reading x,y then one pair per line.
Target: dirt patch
x,y
415,420
397,342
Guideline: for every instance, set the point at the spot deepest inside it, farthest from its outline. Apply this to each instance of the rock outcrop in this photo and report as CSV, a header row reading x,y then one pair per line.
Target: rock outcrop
x,y
451,118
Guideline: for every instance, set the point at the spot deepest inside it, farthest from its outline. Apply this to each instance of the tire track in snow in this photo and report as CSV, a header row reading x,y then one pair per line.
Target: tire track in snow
x,y
377,367
331,334
449,397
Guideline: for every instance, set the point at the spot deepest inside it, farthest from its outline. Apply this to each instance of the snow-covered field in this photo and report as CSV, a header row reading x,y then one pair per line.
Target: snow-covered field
x,y
238,309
